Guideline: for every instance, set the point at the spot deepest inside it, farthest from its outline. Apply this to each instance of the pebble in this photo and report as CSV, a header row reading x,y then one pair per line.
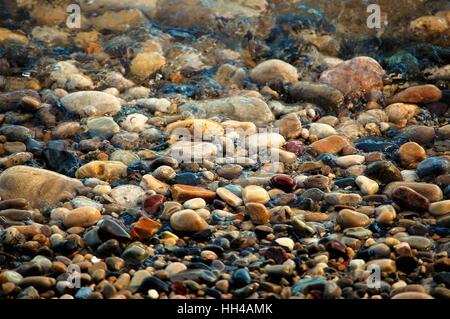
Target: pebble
x,y
417,242
367,185
145,228
386,265
274,71
411,154
285,242
187,220
255,194
182,193
195,203
333,144
91,103
349,160
335,198
433,166
149,182
108,171
385,214
321,130
229,171
135,254
439,208
127,195
418,94
410,199
384,171
104,127
283,182
164,173
259,214
431,191
401,113
240,278
348,218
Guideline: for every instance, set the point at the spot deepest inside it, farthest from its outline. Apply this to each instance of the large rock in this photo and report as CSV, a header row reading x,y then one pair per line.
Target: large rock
x,y
355,78
42,188
91,103
240,108
119,21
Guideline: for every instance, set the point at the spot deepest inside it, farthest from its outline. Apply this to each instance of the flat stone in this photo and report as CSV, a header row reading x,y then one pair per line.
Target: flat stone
x,y
321,130
146,64
104,127
412,295
384,171
285,242
433,166
91,103
320,94
401,113
195,203
182,193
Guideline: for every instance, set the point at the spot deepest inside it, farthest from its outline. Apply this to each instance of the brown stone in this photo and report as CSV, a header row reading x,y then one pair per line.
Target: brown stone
x,y
145,228
332,144
411,154
182,193
259,214
418,94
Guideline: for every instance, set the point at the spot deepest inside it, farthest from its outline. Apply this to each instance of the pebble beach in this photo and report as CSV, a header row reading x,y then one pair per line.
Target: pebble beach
x,y
229,149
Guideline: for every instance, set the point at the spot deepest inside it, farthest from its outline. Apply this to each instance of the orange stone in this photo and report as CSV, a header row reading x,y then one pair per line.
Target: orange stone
x,y
145,228
182,193
332,144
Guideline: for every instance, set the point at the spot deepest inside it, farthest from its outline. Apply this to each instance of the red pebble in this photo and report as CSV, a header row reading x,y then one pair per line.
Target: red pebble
x,y
295,147
152,203
283,182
